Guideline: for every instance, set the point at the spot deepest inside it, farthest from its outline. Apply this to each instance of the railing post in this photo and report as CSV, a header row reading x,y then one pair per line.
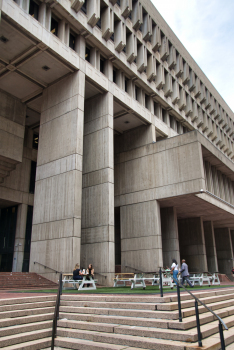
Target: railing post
x,y
56,312
161,285
221,336
198,324
179,303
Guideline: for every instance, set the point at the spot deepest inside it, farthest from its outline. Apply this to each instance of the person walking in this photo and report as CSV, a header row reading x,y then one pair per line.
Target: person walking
x,y
185,274
174,270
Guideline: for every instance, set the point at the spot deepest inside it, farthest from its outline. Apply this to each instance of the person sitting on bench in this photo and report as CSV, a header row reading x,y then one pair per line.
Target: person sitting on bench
x,y
77,274
90,272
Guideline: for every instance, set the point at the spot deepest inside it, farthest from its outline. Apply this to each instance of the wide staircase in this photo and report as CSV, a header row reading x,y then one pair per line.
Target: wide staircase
x,y
143,322
24,281
118,322
26,322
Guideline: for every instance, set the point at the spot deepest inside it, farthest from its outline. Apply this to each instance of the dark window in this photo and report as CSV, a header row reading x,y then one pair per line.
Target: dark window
x,y
32,177
124,49
99,23
102,64
130,15
126,85
112,38
87,54
114,76
33,9
35,141
72,39
27,244
164,116
136,91
8,217
140,29
84,7
171,121
54,26
118,2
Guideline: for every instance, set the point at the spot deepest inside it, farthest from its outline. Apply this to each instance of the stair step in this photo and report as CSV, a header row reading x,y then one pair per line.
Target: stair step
x,y
31,345
27,300
7,322
67,343
115,298
112,305
26,312
25,337
43,304
120,339
122,312
11,330
150,332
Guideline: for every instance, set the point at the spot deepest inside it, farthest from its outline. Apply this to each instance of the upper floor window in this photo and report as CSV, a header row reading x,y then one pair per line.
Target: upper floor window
x,y
54,26
33,9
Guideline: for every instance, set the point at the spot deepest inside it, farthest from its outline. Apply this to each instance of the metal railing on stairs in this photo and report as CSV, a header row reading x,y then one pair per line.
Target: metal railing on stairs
x,y
46,267
56,311
221,322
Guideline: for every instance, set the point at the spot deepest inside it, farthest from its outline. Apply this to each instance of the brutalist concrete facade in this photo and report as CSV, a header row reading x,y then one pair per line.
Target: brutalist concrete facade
x,y
131,144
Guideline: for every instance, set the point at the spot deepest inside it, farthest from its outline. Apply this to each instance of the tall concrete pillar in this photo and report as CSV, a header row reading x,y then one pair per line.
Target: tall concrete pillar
x,y
98,188
141,240
20,231
224,250
212,262
170,237
56,228
192,244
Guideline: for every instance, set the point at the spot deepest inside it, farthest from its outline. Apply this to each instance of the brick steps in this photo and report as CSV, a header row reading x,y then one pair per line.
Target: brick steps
x,y
23,281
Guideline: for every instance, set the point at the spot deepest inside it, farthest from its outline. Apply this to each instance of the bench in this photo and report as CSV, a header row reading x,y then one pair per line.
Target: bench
x,y
215,279
121,279
79,284
167,281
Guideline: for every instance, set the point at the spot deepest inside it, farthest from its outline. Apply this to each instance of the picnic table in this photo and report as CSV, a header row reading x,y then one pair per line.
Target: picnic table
x,y
80,284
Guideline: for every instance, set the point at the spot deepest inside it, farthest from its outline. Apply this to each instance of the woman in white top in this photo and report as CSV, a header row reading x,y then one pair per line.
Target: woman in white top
x,y
174,270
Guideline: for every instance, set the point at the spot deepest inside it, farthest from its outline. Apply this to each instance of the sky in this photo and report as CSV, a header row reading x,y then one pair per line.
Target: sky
x,y
206,29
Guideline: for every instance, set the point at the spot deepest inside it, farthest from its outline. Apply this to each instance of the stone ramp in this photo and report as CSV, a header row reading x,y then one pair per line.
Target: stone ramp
x,y
143,322
24,281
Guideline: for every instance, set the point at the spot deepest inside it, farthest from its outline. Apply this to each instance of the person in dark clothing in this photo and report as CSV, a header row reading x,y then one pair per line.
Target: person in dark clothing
x,y
77,273
184,273
90,272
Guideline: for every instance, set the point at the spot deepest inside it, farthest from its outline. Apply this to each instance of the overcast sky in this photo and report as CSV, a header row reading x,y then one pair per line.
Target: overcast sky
x,y
206,29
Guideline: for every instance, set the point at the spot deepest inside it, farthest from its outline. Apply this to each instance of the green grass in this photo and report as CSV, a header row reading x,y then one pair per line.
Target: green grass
x,y
122,290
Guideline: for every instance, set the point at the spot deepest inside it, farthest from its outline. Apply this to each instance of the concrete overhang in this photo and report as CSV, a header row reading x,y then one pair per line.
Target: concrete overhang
x,y
202,205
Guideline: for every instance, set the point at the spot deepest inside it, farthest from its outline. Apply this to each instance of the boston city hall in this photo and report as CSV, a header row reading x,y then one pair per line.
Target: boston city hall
x,y
115,148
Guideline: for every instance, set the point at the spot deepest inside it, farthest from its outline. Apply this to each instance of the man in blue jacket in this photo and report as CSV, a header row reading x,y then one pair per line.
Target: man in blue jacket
x,y
184,273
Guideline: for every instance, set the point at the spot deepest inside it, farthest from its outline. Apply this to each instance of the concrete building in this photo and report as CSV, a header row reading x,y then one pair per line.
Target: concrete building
x,y
115,148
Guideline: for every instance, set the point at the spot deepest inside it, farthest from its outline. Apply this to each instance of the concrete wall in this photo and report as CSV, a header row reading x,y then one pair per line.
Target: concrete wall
x,y
141,241
170,237
224,250
212,262
57,208
163,169
98,188
192,244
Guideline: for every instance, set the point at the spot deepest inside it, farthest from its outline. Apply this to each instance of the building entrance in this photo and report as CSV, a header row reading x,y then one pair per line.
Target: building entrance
x,y
8,217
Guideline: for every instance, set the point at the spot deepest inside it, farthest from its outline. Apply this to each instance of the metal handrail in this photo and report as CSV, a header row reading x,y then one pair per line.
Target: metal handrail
x,y
221,322
56,311
46,267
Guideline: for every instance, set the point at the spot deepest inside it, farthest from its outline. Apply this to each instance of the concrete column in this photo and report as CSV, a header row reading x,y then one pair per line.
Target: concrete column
x,y
56,228
18,256
98,188
141,240
192,244
210,246
224,250
170,237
